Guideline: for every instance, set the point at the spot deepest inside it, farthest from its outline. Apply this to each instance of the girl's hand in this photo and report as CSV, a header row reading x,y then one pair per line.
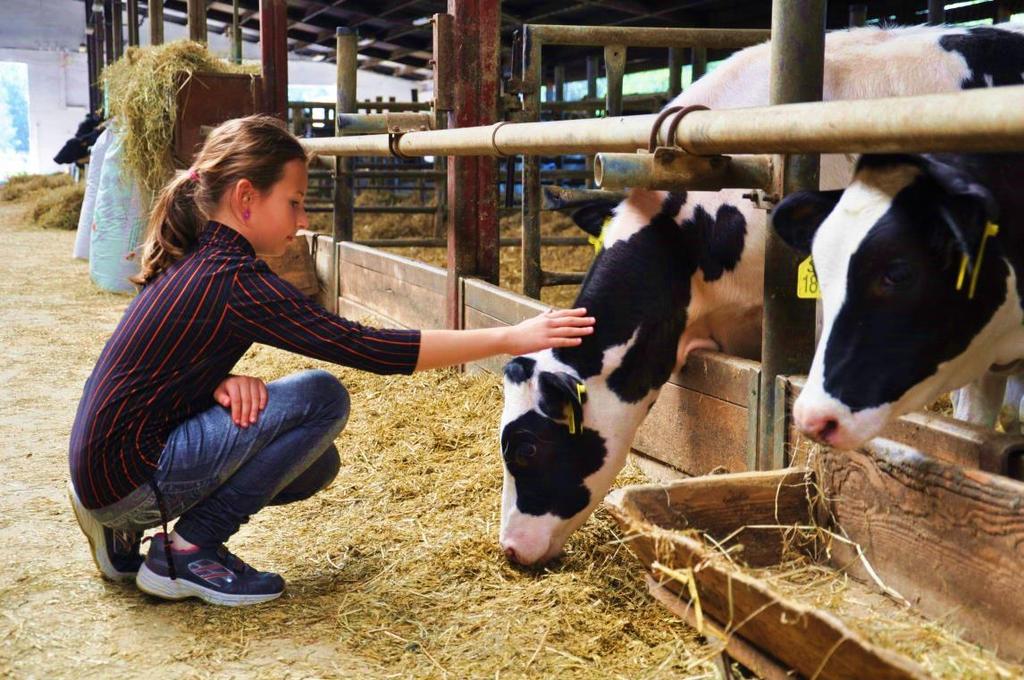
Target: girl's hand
x,y
245,396
553,328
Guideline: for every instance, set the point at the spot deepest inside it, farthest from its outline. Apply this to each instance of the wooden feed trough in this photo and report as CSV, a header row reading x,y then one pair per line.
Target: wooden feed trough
x,y
946,539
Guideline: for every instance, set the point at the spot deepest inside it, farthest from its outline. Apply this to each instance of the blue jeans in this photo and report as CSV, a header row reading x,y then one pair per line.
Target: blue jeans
x,y
214,475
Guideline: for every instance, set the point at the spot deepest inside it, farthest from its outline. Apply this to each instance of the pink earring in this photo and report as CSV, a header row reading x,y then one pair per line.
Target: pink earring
x,y
245,214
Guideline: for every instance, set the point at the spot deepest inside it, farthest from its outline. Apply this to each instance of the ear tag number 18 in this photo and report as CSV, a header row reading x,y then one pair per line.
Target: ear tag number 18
x,y
807,281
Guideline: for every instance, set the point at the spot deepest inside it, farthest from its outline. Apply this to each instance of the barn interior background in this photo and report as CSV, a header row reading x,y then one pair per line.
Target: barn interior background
x,y
407,235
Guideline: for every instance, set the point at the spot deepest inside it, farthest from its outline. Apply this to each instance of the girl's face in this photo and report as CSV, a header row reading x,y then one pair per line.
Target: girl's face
x,y
276,215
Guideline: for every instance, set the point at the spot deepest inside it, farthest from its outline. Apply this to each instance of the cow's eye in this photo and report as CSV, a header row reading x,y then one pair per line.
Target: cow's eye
x,y
897,274
524,454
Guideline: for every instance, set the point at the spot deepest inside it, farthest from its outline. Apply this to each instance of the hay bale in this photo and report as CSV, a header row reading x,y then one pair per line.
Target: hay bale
x,y
142,90
26,188
59,208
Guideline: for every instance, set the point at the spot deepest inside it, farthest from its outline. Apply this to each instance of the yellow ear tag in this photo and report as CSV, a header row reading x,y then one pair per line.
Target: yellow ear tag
x,y
570,414
991,229
598,241
807,281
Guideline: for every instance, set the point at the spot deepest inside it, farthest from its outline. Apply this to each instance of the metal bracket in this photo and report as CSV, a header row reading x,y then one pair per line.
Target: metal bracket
x,y
761,199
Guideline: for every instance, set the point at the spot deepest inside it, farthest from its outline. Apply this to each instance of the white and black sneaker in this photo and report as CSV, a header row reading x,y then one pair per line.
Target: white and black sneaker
x,y
213,575
116,553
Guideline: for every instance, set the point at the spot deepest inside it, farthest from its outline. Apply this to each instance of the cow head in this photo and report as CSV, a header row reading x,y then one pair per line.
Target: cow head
x,y
902,323
563,445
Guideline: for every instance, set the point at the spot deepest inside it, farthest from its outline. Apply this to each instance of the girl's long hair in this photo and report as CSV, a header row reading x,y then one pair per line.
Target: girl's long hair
x,y
255,148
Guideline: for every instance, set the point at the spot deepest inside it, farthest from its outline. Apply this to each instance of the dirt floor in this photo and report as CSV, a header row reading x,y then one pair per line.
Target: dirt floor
x,y
392,572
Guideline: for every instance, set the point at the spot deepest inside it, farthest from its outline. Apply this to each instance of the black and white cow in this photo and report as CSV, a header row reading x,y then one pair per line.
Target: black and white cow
x,y
685,271
901,324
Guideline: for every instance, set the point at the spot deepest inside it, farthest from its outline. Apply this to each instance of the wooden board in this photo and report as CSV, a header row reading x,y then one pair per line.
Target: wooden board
x,y
949,539
810,641
407,292
207,100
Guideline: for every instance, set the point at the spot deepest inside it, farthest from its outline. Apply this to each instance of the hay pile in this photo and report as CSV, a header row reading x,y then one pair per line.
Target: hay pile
x,y
142,90
53,201
398,560
875,611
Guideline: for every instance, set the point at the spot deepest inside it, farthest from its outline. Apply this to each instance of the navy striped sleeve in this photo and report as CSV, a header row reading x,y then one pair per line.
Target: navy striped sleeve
x,y
264,308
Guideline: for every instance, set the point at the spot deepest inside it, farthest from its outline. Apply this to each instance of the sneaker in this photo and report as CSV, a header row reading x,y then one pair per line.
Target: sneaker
x,y
213,575
116,553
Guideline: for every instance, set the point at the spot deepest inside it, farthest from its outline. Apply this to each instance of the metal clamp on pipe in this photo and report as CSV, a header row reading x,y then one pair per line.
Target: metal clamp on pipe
x,y
674,169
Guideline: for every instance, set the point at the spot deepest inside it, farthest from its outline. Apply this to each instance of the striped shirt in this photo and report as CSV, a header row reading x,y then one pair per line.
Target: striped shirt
x,y
180,337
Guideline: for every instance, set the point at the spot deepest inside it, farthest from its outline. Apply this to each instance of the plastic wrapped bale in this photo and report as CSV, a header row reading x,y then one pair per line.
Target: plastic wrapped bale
x,y
92,185
118,223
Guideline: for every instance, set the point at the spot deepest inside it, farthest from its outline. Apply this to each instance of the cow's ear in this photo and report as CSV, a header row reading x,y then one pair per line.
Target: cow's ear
x,y
562,397
519,370
971,204
591,216
797,218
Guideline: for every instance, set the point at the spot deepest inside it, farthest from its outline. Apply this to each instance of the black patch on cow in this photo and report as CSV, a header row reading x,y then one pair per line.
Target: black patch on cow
x,y
722,238
642,284
989,52
520,369
902,315
549,464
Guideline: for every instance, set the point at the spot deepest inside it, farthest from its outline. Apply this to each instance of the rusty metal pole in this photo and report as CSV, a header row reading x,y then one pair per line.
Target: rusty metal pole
x,y
117,27
936,12
614,70
442,107
698,63
787,337
156,22
197,20
472,186
108,33
133,23
236,34
675,71
274,56
530,83
592,69
858,15
346,41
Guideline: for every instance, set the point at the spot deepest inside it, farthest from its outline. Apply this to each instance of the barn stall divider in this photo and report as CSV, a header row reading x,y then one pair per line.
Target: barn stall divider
x,y
933,492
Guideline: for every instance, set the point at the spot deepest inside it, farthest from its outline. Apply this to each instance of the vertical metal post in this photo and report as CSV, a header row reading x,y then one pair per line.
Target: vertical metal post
x,y
442,106
787,340
614,69
858,15
117,27
108,32
532,272
592,67
92,60
236,34
133,23
472,185
197,20
1002,13
156,22
344,206
698,63
675,71
274,55
936,12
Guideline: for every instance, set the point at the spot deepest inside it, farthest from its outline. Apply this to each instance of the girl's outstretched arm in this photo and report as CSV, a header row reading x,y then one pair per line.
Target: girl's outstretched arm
x,y
555,328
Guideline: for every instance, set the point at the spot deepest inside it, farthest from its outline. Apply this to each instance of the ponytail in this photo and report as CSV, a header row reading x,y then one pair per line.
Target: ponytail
x,y
255,148
173,227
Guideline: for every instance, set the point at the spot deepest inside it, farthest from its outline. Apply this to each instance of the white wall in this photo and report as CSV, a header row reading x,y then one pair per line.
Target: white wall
x,y
45,34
